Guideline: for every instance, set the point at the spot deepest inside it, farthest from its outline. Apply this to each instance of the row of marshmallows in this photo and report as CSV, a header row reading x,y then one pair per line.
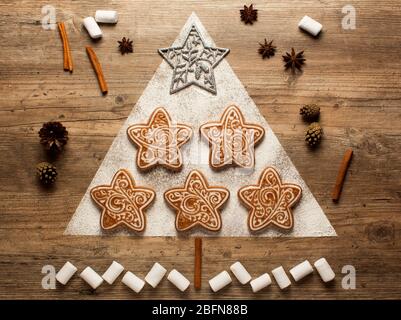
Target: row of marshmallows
x,y
101,16
154,276
157,272
298,272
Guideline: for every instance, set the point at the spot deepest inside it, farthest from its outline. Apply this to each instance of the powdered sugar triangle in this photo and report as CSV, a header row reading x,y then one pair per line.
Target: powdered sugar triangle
x,y
195,106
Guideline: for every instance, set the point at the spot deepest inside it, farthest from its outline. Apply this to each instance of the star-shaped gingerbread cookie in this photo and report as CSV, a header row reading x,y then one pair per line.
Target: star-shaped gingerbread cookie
x,y
270,201
232,141
122,202
197,204
159,141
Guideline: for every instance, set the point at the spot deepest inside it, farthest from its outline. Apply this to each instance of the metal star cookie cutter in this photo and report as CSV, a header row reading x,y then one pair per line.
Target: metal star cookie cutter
x,y
193,62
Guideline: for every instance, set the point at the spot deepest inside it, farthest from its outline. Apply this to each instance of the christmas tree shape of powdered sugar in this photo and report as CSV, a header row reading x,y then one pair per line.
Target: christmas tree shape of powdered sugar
x,y
195,106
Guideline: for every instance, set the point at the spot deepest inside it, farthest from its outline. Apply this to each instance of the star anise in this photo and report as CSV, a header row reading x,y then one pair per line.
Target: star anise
x,y
294,60
249,14
125,45
267,49
53,135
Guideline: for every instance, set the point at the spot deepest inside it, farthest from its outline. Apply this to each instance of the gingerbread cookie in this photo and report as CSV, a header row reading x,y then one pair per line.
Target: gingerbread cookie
x,y
159,141
270,201
122,202
197,203
232,140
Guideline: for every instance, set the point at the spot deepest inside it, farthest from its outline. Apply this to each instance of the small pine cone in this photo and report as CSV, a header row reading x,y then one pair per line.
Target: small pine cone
x,y
46,172
310,112
54,136
313,134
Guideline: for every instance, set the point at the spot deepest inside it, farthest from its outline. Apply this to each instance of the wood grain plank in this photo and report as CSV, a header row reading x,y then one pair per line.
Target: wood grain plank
x,y
353,75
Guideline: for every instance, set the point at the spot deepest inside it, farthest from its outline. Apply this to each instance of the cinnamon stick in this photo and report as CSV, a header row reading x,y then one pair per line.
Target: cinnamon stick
x,y
198,263
67,62
341,175
98,69
65,54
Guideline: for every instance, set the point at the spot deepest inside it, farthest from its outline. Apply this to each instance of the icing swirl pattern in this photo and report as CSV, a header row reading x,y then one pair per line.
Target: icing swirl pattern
x,y
197,204
270,201
159,141
122,203
232,141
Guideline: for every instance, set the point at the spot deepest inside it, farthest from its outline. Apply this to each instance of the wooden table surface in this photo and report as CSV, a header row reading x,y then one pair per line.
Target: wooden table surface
x,y
354,75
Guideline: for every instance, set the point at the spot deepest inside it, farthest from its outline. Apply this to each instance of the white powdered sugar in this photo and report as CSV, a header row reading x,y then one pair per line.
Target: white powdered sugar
x,y
193,106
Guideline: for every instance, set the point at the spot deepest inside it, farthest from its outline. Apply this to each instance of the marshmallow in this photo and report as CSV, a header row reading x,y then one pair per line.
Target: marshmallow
x,y
106,16
178,280
66,272
261,282
309,25
281,278
155,275
240,272
92,27
133,282
220,281
325,271
301,270
113,272
91,277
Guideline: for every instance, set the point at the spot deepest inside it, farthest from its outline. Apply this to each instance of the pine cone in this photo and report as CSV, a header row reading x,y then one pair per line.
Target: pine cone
x,y
46,172
53,136
310,112
313,134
